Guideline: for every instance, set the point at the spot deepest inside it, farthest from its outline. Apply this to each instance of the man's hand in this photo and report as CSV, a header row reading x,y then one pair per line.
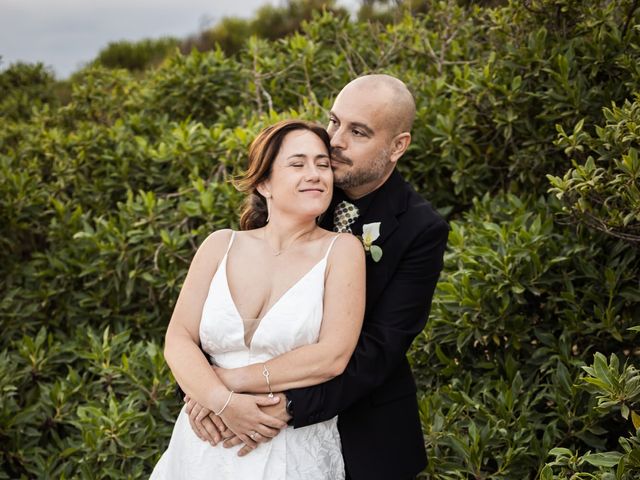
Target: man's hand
x,y
207,426
278,410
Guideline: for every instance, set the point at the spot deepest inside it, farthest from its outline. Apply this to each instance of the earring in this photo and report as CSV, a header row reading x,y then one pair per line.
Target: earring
x,y
268,197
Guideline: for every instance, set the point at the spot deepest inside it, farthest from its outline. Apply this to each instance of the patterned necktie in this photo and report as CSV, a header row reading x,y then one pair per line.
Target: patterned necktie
x,y
343,216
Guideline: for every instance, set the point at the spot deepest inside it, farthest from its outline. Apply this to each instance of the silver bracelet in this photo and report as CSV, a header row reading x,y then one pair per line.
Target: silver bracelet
x,y
225,404
265,372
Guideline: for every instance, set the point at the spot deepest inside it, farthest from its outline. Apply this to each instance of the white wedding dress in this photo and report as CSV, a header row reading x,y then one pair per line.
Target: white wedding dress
x,y
309,453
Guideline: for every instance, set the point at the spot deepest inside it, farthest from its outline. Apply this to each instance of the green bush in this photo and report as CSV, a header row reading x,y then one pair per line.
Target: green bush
x,y
518,312
617,391
71,408
603,191
528,365
24,87
136,56
196,87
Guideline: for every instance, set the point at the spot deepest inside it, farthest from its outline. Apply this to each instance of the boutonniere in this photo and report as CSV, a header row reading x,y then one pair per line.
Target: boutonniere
x,y
370,233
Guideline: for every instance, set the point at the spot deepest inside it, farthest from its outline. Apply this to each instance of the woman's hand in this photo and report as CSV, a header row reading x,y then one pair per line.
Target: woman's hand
x,y
277,410
244,418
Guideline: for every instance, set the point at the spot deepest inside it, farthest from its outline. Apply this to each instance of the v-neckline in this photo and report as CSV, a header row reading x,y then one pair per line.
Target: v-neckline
x,y
270,309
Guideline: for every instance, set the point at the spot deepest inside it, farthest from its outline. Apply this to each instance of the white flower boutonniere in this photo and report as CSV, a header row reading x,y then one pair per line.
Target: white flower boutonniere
x,y
370,233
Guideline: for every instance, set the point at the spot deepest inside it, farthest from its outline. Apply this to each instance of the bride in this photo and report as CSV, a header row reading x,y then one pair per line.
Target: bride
x,y
281,304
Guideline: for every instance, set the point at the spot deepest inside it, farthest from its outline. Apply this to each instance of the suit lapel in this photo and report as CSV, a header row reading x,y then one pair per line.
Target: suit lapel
x,y
389,202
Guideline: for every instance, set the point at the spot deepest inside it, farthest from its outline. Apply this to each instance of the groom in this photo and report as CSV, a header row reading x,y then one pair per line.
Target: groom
x,y
375,397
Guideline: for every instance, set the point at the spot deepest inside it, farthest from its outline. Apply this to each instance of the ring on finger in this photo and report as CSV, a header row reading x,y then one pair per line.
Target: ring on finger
x,y
252,436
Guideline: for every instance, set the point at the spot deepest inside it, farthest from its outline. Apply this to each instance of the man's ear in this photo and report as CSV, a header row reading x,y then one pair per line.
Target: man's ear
x,y
399,145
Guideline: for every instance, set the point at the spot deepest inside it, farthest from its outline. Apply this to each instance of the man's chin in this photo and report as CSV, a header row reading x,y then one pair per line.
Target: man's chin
x,y
340,181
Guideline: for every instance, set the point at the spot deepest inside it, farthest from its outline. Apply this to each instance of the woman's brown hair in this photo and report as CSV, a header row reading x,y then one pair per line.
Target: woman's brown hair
x,y
262,153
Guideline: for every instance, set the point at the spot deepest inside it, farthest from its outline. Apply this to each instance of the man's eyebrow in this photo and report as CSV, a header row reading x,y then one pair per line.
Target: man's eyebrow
x,y
360,125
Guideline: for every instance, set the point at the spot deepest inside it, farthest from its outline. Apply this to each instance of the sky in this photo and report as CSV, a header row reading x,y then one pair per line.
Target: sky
x,y
64,34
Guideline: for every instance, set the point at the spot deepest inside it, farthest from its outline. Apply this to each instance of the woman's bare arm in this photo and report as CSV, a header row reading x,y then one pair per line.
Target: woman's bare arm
x,y
182,352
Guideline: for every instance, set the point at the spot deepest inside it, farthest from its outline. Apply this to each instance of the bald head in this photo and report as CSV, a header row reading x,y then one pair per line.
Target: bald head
x,y
391,95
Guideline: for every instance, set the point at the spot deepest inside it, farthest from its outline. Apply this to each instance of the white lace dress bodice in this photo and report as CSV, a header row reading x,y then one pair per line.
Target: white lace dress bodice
x,y
309,453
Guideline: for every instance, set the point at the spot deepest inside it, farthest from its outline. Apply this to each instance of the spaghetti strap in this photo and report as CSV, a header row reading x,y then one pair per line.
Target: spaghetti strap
x,y
326,255
233,234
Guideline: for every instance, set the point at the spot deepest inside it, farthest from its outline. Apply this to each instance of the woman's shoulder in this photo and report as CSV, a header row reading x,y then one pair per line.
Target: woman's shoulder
x,y
218,237
345,246
215,244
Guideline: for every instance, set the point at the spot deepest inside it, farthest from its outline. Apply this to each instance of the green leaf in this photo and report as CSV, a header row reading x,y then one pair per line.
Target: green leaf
x,y
624,411
560,451
546,473
376,253
635,419
607,459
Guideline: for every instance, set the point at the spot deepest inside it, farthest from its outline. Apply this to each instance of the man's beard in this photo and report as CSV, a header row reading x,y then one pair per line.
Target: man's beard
x,y
356,177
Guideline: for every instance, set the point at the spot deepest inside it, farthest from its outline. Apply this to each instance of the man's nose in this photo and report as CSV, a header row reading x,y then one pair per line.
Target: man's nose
x,y
337,139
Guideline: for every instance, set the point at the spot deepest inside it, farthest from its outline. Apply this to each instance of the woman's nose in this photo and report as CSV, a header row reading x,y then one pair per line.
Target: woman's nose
x,y
312,173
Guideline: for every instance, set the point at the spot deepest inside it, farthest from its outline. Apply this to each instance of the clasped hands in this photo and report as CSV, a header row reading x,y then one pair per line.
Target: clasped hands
x,y
248,419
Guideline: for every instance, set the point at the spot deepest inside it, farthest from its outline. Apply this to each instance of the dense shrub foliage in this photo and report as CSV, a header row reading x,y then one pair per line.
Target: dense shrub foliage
x,y
136,56
603,192
526,137
24,86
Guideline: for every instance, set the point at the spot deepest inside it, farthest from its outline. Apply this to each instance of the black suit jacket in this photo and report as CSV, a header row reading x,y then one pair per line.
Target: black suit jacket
x,y
375,397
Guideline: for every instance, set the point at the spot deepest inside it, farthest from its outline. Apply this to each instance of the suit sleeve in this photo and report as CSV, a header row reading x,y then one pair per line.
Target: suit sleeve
x,y
398,317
